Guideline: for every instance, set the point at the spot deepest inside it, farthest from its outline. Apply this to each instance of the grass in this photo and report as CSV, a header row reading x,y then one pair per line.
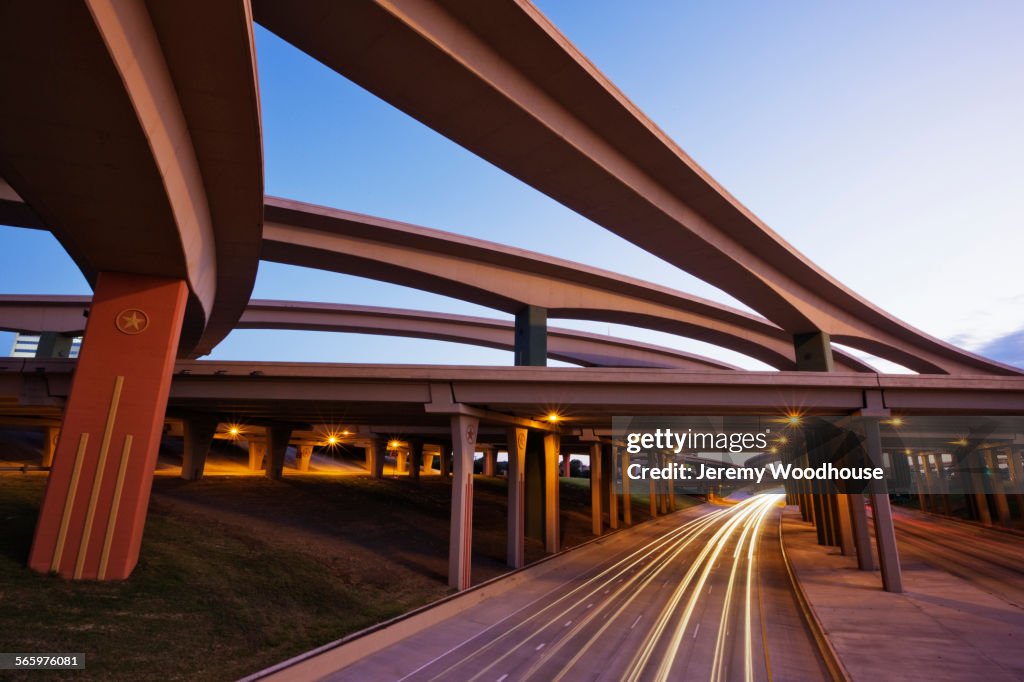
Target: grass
x,y
236,574
206,602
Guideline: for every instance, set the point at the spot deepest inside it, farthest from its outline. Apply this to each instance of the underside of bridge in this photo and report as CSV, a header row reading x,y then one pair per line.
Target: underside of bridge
x,y
136,140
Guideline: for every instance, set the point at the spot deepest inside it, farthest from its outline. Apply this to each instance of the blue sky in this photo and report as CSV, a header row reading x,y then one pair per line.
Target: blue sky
x,y
884,140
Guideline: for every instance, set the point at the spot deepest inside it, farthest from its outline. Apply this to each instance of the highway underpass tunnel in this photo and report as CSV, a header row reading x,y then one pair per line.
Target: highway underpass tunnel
x,y
93,513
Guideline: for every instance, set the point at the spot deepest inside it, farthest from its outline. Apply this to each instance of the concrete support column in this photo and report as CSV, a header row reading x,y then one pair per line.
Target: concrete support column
x,y
446,462
608,467
596,520
199,434
50,437
846,544
627,501
93,513
941,486
516,554
552,511
257,451
861,534
460,545
885,532
978,483
921,480
415,459
54,345
566,465
302,456
998,489
531,337
401,463
490,463
652,487
1016,470
277,446
375,451
813,352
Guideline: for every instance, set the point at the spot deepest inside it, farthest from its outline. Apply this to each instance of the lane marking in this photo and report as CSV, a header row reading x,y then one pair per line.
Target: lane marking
x,y
696,630
636,621
539,646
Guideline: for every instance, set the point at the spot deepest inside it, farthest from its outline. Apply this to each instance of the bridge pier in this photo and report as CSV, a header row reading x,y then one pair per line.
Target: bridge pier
x,y
652,487
51,435
998,489
608,466
277,446
531,336
885,532
596,485
303,454
490,463
415,459
627,501
861,534
552,525
198,435
516,445
460,546
257,451
92,517
1016,471
54,345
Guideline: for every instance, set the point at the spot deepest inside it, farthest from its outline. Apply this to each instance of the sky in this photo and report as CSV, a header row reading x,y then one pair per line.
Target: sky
x,y
883,140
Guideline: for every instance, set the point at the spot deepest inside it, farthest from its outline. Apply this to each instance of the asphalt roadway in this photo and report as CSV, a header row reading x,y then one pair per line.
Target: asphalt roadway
x,y
701,594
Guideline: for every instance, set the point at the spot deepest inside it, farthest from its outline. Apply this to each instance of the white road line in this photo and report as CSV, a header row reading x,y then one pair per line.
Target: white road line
x,y
636,621
567,623
696,630
539,646
502,678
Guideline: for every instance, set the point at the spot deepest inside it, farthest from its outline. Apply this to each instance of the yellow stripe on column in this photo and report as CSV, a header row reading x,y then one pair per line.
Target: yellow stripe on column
x,y
114,506
69,503
97,480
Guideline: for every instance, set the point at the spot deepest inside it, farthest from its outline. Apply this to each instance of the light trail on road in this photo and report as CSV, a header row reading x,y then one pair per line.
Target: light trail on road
x,y
687,604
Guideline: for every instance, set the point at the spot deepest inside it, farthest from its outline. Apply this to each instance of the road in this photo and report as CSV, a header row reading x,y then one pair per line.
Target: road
x,y
707,598
991,559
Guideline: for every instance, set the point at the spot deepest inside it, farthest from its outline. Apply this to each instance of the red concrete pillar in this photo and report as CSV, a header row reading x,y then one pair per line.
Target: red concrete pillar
x,y
93,512
566,468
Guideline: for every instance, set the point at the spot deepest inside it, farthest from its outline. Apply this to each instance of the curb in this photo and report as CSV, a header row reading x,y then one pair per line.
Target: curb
x,y
828,654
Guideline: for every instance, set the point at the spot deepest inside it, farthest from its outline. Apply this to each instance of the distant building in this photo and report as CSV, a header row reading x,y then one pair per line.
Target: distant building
x,y
27,346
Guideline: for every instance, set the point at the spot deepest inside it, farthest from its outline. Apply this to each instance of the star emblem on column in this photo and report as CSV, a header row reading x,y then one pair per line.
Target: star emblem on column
x,y
132,321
